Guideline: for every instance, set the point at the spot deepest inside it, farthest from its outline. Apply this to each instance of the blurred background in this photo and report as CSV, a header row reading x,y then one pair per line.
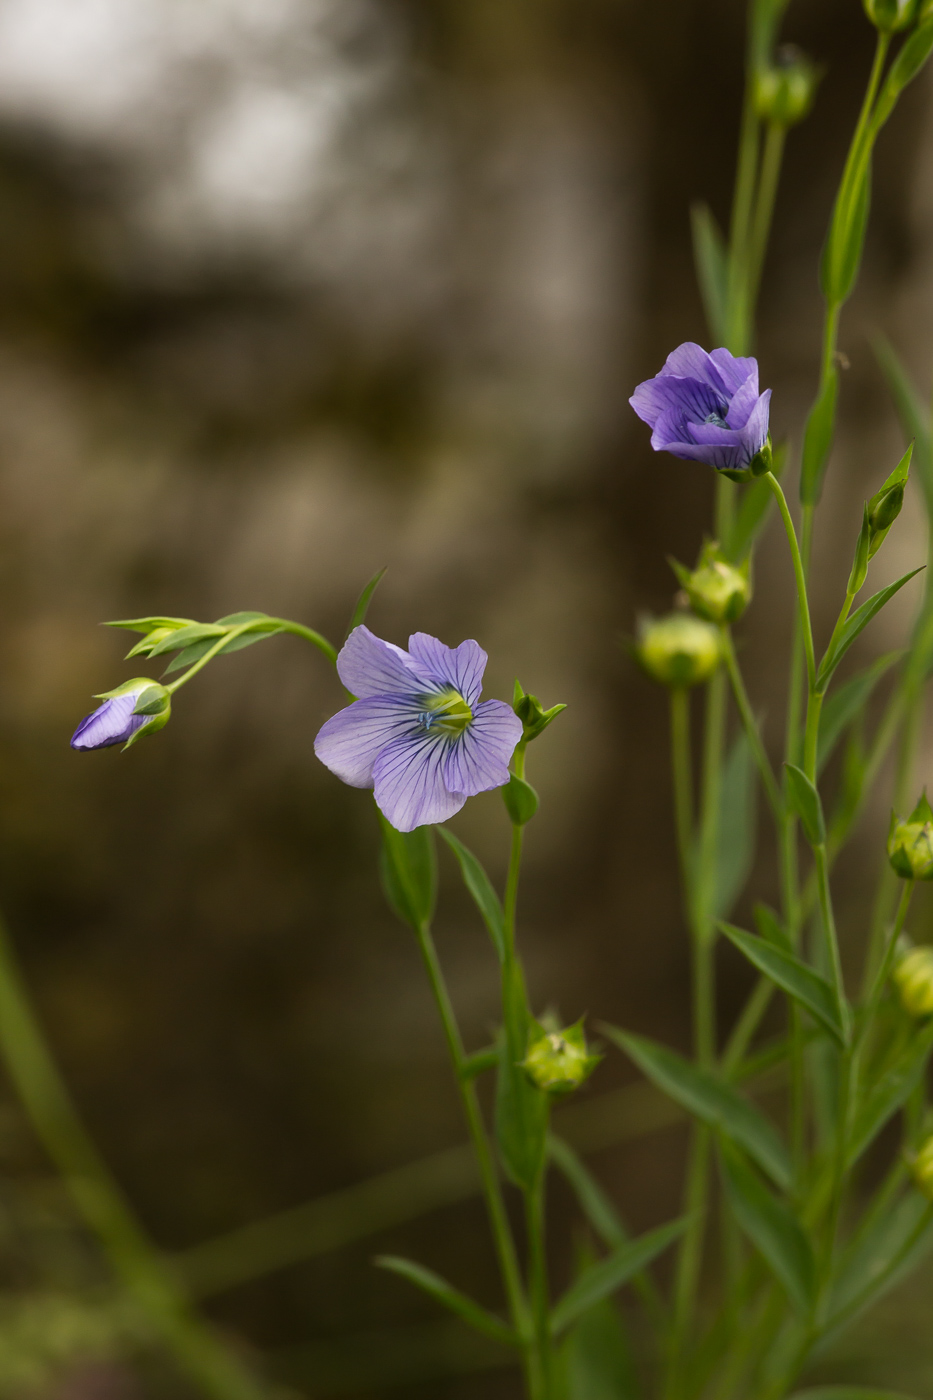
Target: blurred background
x,y
291,290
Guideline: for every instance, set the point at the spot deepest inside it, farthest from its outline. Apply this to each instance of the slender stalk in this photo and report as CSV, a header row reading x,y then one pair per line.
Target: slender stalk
x,y
100,1201
873,1000
771,159
683,792
538,1285
799,578
768,780
492,1191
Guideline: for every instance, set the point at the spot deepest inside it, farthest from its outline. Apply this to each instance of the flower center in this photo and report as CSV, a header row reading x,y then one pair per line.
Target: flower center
x,y
716,419
447,711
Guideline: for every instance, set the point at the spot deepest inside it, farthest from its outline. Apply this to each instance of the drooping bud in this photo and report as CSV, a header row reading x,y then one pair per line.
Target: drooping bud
x,y
558,1061
137,707
154,629
891,15
910,843
717,590
534,717
913,977
784,91
923,1169
678,650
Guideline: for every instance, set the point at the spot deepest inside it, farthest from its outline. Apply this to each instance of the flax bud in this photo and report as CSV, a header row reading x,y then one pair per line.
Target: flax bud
x,y
717,590
913,977
891,15
784,91
558,1061
678,650
910,843
923,1169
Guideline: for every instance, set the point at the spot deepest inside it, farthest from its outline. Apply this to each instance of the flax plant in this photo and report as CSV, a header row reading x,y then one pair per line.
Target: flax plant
x,y
801,1249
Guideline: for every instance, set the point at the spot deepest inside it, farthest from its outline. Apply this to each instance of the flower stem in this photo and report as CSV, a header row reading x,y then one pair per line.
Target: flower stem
x,y
100,1201
495,1204
799,578
768,780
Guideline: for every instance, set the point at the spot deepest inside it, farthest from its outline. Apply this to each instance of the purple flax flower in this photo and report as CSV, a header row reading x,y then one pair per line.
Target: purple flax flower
x,y
707,408
418,735
136,706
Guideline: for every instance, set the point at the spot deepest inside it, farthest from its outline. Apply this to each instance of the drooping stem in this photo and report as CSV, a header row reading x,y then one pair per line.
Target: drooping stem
x,y
100,1201
800,579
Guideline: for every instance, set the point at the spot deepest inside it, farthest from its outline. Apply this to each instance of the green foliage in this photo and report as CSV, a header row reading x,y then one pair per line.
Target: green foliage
x,y
711,259
712,1100
409,872
805,801
856,625
808,988
818,439
738,825
521,800
848,703
358,616
596,1357
772,1228
609,1274
443,1292
480,888
522,1110
889,1091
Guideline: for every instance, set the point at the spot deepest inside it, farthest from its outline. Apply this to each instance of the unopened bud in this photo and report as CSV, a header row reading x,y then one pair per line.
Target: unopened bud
x,y
558,1061
717,590
910,843
678,650
784,91
891,15
137,707
534,717
923,1168
913,977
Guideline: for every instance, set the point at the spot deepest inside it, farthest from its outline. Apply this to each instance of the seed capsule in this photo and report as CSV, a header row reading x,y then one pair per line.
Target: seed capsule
x,y
678,650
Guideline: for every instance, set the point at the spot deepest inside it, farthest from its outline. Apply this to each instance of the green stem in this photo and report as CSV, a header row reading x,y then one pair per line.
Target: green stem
x,y
538,1286
682,780
101,1202
799,578
495,1205
768,780
764,207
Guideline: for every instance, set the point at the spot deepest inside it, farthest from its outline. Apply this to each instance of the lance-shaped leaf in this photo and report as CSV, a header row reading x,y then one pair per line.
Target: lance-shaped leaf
x,y
597,1357
735,843
522,1110
481,890
451,1297
913,412
596,1205
794,977
408,866
856,625
805,801
363,601
885,505
771,1228
609,1274
889,1092
712,267
881,1252
710,1099
908,63
847,703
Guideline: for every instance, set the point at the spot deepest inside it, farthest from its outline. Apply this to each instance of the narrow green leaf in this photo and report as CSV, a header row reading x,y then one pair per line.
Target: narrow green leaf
x,y
480,888
818,439
889,1092
878,1256
755,505
711,1099
597,1358
846,240
238,618
151,624
857,624
521,800
603,1278
451,1297
910,59
409,872
593,1201
364,600
912,411
190,655
772,1229
805,801
738,813
711,259
794,977
184,636
847,704
771,928
522,1110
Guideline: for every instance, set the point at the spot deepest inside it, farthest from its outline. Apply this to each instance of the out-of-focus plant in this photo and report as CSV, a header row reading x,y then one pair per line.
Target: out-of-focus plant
x,y
800,1252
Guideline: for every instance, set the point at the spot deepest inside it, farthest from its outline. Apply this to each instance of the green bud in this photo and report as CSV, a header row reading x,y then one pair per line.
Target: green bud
x,y
534,717
913,977
558,1061
910,843
923,1169
891,15
521,800
679,649
718,591
784,91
